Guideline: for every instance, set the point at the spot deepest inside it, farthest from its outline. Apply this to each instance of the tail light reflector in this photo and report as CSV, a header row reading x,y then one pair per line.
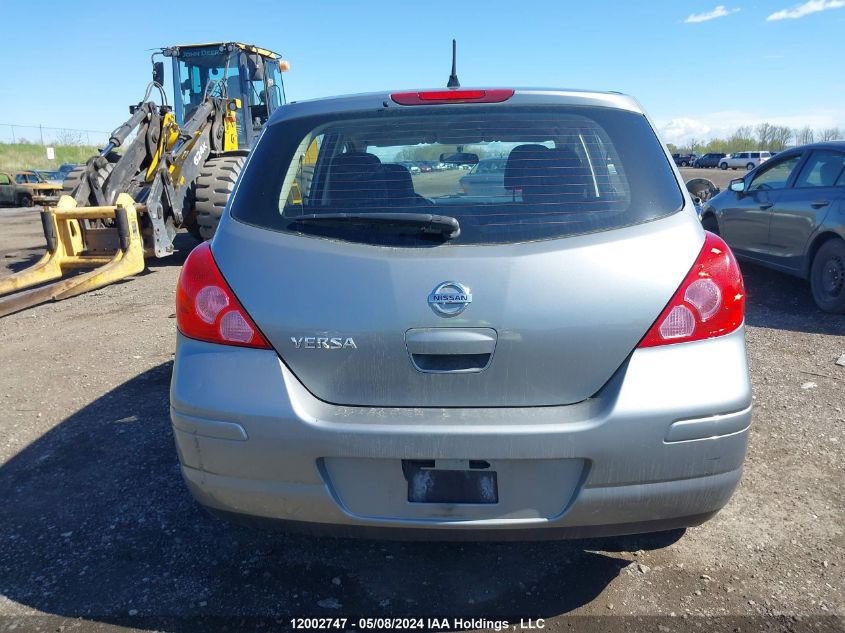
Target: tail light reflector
x,y
432,97
206,307
709,303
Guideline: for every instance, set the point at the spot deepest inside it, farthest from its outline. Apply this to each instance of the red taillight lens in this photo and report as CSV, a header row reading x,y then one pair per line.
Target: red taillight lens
x,y
710,302
431,97
207,309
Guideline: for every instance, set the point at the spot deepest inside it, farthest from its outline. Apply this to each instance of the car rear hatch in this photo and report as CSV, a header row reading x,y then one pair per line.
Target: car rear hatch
x,y
538,299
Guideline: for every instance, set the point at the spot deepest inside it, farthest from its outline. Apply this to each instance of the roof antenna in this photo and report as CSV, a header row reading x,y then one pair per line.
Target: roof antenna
x,y
453,78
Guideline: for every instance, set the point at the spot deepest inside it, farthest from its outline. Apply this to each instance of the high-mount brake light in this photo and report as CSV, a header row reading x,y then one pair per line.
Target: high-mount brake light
x,y
432,97
709,303
206,307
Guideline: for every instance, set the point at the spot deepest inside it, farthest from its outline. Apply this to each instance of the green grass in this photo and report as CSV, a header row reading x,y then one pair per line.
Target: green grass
x,y
27,156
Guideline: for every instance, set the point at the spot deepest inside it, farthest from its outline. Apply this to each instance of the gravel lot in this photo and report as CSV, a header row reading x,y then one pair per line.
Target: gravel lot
x,y
98,532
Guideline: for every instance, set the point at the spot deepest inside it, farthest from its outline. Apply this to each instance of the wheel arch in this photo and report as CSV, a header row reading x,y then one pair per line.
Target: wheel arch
x,y
709,214
815,244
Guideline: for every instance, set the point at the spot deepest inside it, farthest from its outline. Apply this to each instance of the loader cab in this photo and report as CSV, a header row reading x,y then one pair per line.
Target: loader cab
x,y
250,74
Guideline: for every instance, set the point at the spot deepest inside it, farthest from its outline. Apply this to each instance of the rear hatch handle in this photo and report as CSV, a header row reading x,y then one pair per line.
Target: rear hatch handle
x,y
451,349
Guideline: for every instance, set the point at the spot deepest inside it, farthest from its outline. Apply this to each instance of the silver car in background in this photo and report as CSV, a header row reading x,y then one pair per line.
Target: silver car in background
x,y
372,354
486,178
744,160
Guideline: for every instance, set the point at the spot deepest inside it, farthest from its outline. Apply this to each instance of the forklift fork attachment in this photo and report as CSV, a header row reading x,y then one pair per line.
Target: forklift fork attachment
x,y
67,252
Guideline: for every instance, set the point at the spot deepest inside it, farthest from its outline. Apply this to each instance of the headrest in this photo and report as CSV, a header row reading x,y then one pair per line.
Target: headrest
x,y
398,179
356,178
830,171
516,163
553,176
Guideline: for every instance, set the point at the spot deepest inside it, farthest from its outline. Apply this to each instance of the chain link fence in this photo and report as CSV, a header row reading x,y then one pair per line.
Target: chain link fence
x,y
40,135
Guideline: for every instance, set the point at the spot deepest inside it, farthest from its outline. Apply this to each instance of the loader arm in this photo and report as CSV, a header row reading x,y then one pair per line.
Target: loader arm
x,y
149,182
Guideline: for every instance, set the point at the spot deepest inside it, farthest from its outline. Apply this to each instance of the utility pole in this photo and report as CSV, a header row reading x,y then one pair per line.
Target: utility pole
x,y
13,134
41,131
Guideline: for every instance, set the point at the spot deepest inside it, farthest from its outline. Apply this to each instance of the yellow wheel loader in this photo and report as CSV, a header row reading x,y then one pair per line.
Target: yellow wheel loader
x,y
167,167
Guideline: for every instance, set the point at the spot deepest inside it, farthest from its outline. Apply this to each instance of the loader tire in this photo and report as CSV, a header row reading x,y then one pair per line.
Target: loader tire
x,y
75,176
214,185
193,228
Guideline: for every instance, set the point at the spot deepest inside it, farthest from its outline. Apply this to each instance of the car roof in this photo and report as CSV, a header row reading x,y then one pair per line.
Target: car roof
x,y
522,96
840,145
837,145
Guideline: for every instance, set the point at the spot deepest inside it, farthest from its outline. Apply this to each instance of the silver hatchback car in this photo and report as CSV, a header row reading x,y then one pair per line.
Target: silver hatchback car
x,y
373,352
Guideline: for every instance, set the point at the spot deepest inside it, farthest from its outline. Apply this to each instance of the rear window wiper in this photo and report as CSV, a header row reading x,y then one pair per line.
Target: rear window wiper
x,y
423,223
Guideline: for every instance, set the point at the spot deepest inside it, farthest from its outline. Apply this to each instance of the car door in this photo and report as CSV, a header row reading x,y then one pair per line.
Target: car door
x,y
744,220
802,208
7,190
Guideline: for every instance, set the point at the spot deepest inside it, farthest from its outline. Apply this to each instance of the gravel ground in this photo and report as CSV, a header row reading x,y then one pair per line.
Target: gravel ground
x,y
98,532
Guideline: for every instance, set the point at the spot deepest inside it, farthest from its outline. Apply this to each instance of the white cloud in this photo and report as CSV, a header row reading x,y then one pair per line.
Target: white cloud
x,y
719,12
680,130
812,6
683,129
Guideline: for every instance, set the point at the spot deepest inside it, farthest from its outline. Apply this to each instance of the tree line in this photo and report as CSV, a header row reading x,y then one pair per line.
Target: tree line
x,y
764,136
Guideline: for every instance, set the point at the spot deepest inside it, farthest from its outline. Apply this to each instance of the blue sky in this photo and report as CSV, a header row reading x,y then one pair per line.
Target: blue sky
x,y
699,68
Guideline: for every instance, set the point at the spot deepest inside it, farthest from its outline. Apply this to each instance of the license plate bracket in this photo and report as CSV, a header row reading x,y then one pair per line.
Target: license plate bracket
x,y
474,484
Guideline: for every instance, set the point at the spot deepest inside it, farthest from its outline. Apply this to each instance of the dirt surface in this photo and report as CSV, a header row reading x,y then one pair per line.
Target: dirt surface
x,y
98,532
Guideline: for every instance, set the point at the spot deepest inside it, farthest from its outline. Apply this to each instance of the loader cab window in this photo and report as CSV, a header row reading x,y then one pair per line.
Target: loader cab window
x,y
275,88
258,108
264,89
195,68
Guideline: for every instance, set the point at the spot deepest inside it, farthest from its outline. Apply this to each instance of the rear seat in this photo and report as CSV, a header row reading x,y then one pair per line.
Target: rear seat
x,y
545,175
357,179
400,187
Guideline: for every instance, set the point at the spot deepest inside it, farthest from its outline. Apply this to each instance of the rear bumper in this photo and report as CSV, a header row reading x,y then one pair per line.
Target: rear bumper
x,y
660,447
46,200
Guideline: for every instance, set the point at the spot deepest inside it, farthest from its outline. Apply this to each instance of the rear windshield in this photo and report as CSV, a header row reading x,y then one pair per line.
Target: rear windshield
x,y
501,174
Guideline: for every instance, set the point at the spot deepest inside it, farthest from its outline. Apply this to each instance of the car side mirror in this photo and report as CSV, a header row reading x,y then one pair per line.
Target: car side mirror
x,y
737,185
158,73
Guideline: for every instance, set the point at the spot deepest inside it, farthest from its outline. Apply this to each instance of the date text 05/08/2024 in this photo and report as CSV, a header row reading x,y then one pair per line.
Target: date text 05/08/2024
x,y
412,624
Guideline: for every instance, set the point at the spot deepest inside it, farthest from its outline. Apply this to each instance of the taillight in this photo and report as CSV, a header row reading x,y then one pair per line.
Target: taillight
x,y
710,302
454,95
207,309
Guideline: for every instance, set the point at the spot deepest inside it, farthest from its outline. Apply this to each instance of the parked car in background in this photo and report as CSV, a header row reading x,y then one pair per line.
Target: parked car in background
x,y
447,366
789,214
66,168
744,160
711,159
55,177
25,188
684,160
486,178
